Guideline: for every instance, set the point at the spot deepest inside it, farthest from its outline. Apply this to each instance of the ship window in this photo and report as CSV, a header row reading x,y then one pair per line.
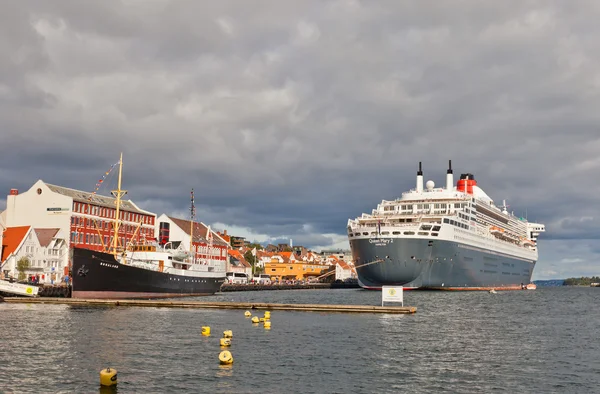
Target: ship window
x,y
396,233
385,233
356,234
434,234
351,235
423,233
436,228
426,227
409,233
446,220
373,233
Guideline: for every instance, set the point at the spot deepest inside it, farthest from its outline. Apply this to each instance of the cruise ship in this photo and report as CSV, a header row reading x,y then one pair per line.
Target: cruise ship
x,y
444,238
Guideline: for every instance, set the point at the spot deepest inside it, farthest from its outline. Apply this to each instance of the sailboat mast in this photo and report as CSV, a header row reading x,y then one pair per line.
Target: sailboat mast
x,y
118,194
192,220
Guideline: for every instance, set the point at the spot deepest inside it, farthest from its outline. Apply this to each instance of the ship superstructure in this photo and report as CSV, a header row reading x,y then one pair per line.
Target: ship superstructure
x,y
453,237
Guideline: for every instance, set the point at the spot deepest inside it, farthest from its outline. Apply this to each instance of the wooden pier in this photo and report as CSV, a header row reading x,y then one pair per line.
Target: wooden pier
x,y
216,305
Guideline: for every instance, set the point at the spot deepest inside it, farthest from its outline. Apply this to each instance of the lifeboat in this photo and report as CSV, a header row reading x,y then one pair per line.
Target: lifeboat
x,y
496,230
527,242
530,286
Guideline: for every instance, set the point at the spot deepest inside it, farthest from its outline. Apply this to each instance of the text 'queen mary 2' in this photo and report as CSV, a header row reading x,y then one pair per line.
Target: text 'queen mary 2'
x,y
452,238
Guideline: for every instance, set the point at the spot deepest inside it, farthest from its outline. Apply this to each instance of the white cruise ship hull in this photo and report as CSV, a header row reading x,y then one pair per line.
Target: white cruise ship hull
x,y
436,264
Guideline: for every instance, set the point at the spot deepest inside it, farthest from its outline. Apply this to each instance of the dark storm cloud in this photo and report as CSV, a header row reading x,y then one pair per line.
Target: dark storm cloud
x,y
288,118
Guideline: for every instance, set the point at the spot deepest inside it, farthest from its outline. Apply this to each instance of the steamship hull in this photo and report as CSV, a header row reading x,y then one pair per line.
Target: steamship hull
x,y
436,265
100,275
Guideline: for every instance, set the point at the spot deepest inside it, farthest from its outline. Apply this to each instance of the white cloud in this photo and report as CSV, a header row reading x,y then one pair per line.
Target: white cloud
x,y
291,121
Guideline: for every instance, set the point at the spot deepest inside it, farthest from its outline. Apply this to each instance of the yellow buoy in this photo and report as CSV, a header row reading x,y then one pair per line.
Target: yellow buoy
x,y
225,342
225,357
108,377
206,331
267,325
255,319
267,315
227,334
247,314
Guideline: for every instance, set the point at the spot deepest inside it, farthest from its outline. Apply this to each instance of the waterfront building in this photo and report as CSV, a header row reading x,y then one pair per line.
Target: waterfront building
x,y
236,262
46,249
207,245
237,242
292,270
263,257
343,271
341,254
85,218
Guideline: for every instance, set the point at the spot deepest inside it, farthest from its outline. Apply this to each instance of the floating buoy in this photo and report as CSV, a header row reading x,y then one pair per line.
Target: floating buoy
x,y
267,325
262,319
108,377
227,334
225,342
267,315
247,314
206,331
255,319
225,357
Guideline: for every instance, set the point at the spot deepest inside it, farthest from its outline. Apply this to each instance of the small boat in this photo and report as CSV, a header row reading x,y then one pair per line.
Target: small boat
x,y
492,291
530,286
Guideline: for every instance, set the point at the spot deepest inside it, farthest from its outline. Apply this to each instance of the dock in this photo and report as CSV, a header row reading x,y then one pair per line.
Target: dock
x,y
215,305
225,288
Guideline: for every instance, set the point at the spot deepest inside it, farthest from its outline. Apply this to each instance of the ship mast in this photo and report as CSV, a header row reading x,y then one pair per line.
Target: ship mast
x,y
118,194
192,220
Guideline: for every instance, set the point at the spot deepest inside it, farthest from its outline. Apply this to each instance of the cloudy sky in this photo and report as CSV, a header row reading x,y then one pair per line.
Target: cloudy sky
x,y
289,117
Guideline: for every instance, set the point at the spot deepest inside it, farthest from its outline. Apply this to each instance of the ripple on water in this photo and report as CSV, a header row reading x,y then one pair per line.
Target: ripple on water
x,y
542,341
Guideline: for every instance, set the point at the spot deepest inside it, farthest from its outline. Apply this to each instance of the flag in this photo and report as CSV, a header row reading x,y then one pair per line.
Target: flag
x,y
254,252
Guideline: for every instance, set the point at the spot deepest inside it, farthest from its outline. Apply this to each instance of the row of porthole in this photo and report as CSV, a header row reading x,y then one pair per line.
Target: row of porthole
x,y
394,233
188,280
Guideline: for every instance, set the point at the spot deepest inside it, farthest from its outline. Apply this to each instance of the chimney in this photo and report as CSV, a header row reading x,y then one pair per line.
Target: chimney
x,y
420,179
14,192
449,177
224,232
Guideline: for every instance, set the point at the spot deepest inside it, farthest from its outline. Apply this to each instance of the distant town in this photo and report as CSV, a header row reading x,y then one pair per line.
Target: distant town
x,y
40,227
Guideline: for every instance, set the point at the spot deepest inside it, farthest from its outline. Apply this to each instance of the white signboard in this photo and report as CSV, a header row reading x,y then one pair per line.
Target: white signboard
x,y
392,294
18,288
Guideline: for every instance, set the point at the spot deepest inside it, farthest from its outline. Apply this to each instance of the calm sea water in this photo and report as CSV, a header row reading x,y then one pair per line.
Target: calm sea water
x,y
541,341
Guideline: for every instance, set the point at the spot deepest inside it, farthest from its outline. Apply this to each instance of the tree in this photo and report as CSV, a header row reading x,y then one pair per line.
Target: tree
x,y
22,266
251,259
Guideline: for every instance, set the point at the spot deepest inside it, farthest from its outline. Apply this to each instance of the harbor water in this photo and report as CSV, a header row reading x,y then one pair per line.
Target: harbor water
x,y
465,342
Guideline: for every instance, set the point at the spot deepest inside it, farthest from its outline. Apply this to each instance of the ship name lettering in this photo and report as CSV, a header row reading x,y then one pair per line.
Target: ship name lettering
x,y
380,241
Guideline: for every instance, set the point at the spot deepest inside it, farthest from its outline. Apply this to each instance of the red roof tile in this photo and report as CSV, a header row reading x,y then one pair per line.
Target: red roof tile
x,y
236,254
200,231
343,264
45,235
12,238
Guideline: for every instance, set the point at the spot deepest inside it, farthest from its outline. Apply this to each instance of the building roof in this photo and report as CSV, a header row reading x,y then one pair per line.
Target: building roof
x,y
343,264
96,199
12,239
238,256
45,235
200,231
